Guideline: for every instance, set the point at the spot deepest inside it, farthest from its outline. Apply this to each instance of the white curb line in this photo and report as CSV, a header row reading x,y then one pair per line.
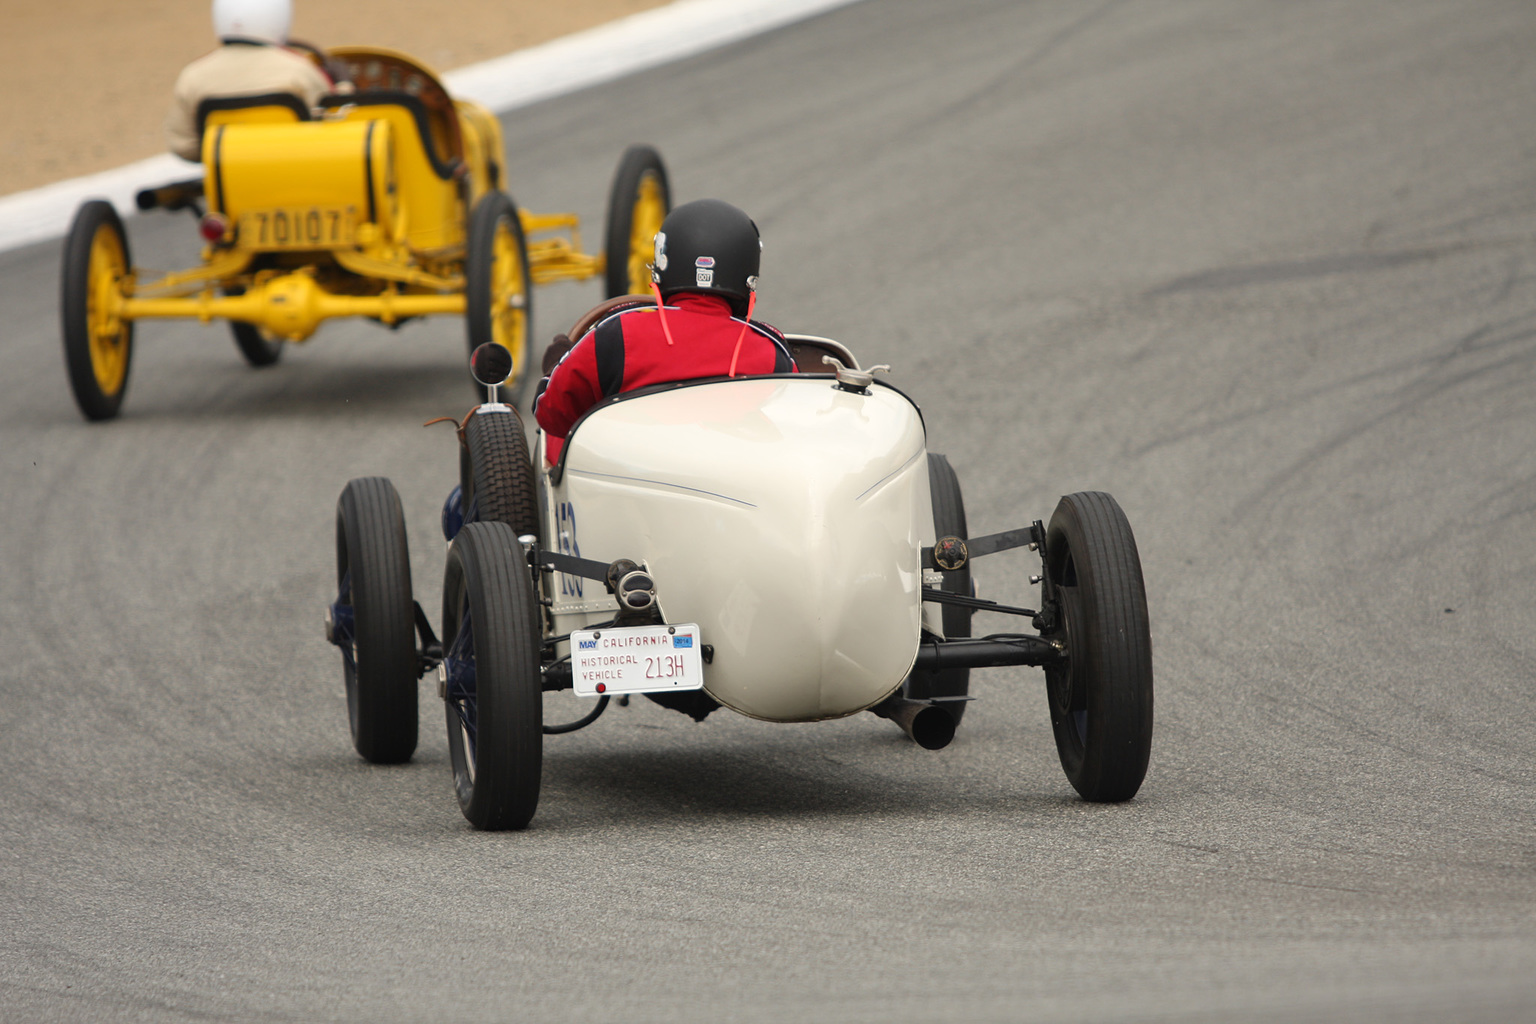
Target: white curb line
x,y
560,66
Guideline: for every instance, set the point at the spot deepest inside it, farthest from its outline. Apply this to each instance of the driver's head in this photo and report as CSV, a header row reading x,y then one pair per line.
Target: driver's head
x,y
708,246
265,20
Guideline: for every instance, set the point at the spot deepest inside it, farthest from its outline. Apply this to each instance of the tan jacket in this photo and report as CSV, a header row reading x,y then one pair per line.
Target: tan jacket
x,y
237,69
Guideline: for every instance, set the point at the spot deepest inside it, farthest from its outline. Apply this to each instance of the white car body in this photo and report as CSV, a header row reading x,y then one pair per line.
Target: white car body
x,y
785,516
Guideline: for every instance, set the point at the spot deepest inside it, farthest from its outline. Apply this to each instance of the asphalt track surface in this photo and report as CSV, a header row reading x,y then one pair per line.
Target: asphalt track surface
x,y
1266,272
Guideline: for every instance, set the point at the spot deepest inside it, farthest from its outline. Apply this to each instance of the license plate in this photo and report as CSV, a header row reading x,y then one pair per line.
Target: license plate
x,y
636,659
305,227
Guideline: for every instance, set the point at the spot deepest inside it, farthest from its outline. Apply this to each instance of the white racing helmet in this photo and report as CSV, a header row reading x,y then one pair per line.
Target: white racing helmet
x,y
266,20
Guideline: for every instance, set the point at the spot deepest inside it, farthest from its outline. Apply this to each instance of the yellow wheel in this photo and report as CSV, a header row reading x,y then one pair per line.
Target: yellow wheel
x,y
498,297
98,342
638,203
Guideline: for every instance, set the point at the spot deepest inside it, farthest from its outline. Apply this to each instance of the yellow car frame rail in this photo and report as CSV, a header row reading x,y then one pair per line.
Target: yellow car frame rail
x,y
386,201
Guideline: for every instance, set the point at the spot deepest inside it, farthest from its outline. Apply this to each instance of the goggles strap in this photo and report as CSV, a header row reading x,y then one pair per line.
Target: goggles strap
x,y
751,303
661,312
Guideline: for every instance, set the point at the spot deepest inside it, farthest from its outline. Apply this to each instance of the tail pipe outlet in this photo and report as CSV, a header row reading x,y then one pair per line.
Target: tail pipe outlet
x,y
928,722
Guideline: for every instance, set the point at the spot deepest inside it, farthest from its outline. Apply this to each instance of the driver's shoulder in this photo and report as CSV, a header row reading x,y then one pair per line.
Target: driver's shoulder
x,y
635,315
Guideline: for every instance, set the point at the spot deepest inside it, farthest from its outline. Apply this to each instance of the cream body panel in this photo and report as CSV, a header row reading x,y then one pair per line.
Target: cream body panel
x,y
782,515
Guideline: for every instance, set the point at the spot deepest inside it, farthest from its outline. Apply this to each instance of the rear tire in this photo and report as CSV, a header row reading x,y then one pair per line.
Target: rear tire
x,y
948,521
638,202
498,286
496,474
494,690
98,344
373,572
1101,695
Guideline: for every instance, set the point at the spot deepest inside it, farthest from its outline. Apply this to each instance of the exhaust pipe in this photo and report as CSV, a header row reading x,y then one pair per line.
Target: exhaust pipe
x,y
930,726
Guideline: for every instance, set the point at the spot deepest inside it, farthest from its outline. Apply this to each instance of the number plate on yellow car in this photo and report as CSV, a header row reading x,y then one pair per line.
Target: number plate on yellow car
x,y
636,659
305,227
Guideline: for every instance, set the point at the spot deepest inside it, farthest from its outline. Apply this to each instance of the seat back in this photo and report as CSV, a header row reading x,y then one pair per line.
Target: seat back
x,y
263,108
808,350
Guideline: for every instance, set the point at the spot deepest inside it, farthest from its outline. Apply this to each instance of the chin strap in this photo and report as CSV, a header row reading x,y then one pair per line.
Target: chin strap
x,y
751,304
661,311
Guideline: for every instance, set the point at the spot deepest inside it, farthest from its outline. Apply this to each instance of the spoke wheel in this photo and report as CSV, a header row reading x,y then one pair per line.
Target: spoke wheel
x,y
498,292
373,574
98,341
637,204
1101,695
948,521
495,473
492,687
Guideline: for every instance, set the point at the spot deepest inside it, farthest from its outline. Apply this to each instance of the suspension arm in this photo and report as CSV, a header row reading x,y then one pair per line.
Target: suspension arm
x,y
988,652
975,603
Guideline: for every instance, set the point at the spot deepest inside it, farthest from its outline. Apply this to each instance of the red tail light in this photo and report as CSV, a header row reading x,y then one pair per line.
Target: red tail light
x,y
213,227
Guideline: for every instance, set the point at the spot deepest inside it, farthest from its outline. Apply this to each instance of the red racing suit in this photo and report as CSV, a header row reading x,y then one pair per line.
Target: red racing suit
x,y
631,350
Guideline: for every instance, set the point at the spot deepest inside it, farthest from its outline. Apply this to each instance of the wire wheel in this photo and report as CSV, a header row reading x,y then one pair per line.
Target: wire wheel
x,y
98,340
637,204
498,295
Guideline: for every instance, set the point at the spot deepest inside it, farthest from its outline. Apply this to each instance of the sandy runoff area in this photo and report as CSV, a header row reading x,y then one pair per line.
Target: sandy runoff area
x,y
87,82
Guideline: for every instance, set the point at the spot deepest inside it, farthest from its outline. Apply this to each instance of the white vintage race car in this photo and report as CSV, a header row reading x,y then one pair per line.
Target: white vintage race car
x,y
782,546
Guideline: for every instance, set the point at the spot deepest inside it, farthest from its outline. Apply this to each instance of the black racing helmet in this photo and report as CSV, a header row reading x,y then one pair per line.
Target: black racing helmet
x,y
708,246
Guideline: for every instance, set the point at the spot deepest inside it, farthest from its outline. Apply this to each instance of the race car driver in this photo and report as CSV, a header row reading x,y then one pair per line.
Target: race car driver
x,y
704,276
252,59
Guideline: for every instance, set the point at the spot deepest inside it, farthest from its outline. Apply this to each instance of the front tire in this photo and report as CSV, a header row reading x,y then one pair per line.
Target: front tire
x,y
254,344
493,689
1101,695
98,341
498,285
373,572
637,204
496,474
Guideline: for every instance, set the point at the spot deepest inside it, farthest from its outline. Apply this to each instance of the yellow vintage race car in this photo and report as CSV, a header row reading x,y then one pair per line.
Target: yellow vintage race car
x,y
386,202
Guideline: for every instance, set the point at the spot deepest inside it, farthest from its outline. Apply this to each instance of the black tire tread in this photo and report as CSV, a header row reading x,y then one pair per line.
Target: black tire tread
x,y
500,478
1110,646
371,542
948,521
257,349
486,562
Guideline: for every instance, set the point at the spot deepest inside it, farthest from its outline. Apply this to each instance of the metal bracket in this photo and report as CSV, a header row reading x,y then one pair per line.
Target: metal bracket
x,y
1047,619
430,654
958,552
571,565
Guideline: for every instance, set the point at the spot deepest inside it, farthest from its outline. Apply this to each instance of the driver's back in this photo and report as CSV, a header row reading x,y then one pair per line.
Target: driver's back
x,y
237,69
